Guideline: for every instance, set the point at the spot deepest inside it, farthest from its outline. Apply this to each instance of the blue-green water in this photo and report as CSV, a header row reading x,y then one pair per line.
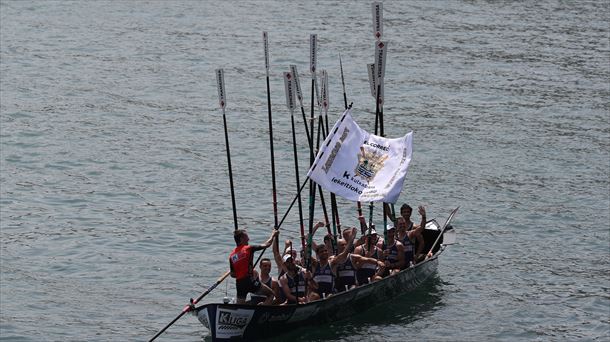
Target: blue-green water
x,y
115,206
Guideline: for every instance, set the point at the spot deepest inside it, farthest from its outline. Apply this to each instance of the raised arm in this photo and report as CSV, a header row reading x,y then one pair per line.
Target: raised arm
x,y
341,256
363,226
268,242
422,225
359,260
279,263
314,245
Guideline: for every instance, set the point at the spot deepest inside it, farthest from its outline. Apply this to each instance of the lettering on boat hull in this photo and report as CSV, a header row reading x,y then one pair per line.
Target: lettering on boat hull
x,y
232,323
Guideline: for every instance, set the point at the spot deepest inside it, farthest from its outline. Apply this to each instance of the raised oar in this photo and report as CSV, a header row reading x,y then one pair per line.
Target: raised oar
x,y
312,189
266,41
307,179
343,81
380,57
220,80
333,199
322,133
225,275
222,101
299,93
289,82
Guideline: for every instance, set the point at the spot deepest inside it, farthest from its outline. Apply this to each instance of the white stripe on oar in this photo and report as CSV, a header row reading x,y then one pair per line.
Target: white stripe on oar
x,y
371,69
325,102
289,88
273,183
380,57
299,94
378,20
266,41
297,83
220,80
313,48
381,49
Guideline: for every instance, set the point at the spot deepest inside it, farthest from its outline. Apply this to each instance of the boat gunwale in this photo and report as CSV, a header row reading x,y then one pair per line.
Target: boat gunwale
x,y
329,298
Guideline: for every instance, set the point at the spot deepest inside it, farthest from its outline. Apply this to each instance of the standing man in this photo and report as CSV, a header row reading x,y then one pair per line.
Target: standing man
x,y
240,262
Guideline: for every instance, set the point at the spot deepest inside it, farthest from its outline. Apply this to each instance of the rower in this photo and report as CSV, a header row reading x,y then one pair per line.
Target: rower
x,y
266,279
293,281
394,255
366,272
411,235
240,262
346,269
323,282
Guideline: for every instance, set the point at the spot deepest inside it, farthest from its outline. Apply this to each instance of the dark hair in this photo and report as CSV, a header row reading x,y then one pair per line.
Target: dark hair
x,y
237,235
406,206
265,259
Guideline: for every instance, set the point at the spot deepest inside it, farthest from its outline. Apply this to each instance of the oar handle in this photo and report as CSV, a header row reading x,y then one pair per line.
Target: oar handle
x,y
443,229
188,307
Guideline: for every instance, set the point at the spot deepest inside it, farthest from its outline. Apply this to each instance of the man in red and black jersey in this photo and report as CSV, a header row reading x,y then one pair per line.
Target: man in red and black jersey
x,y
240,262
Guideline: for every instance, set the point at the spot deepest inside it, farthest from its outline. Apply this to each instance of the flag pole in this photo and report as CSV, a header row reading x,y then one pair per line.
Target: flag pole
x,y
266,43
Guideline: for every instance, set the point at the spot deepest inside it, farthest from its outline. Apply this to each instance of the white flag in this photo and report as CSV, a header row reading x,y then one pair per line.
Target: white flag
x,y
360,166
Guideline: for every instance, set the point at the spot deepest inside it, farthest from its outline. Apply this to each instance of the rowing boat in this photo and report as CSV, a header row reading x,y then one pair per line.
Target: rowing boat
x,y
237,322
353,164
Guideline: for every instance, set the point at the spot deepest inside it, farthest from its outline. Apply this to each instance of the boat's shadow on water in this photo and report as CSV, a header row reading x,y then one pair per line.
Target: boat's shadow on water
x,y
406,309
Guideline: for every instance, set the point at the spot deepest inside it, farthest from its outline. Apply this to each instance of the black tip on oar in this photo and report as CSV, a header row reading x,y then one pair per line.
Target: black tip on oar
x,y
350,105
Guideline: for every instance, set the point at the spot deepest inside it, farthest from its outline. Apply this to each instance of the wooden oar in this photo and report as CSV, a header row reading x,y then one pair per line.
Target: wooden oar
x,y
222,101
266,42
313,38
289,82
191,305
299,94
443,229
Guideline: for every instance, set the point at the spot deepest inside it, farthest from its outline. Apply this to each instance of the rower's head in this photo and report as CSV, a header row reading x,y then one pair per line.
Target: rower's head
x,y
401,224
341,244
372,235
345,234
405,211
241,237
391,232
322,252
265,266
289,262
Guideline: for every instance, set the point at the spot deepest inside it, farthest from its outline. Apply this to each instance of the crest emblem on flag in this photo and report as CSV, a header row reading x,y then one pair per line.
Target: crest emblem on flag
x,y
369,163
